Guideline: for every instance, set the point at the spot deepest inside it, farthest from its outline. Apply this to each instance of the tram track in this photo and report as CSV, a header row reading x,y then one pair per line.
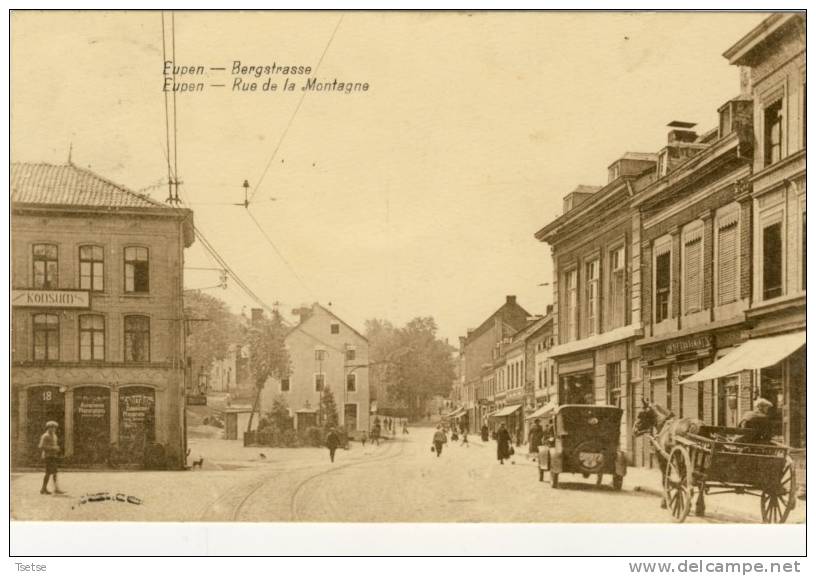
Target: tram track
x,y
301,486
230,505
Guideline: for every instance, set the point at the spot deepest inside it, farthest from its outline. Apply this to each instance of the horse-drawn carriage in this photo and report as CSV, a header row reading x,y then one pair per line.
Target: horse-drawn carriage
x,y
586,441
707,460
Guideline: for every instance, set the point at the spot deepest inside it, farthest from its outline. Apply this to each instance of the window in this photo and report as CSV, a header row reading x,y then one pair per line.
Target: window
x,y
91,268
727,260
335,328
772,261
91,337
320,354
284,387
351,382
46,337
662,286
571,303
613,384
319,382
804,251
137,339
693,273
773,132
617,288
592,274
46,266
137,270
351,354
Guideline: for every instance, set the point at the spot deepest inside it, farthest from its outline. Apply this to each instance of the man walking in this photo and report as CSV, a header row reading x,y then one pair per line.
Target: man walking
x,y
439,440
332,442
536,436
49,446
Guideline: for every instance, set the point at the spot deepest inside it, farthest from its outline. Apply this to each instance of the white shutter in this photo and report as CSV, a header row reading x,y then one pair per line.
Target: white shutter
x,y
727,260
694,260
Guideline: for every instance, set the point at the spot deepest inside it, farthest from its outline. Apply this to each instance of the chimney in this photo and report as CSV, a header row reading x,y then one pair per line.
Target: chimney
x,y
257,315
511,299
681,132
303,313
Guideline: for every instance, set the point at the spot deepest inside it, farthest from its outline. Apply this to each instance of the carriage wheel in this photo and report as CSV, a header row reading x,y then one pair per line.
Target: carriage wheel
x,y
776,504
617,482
677,484
554,479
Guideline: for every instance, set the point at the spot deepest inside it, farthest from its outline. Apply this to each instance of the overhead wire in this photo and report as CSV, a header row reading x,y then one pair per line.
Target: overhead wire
x,y
294,113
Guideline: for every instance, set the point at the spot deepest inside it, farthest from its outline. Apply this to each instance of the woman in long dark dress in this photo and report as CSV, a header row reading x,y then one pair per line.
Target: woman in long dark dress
x,y
502,444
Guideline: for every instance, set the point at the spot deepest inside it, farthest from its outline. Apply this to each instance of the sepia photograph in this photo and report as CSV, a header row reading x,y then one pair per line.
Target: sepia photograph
x,y
481,267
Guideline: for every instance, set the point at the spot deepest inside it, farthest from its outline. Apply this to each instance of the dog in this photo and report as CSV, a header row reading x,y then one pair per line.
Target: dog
x,y
198,463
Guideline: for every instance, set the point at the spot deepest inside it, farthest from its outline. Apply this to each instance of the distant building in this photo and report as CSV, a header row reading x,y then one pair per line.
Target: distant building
x,y
97,330
478,349
324,352
231,373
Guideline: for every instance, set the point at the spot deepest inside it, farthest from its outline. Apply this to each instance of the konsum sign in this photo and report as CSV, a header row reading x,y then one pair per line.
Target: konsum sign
x,y
51,298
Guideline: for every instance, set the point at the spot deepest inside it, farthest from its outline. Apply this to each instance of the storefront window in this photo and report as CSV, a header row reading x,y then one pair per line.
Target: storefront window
x,y
91,424
772,389
137,420
577,388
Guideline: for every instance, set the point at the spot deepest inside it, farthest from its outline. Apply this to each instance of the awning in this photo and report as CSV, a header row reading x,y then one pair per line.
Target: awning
x,y
543,411
752,355
506,411
455,414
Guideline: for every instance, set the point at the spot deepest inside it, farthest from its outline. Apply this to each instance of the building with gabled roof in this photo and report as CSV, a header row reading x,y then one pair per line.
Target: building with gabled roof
x,y
324,352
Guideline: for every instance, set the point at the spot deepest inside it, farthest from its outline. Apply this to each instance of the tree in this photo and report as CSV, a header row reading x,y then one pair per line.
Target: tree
x,y
267,353
279,414
211,331
328,408
415,364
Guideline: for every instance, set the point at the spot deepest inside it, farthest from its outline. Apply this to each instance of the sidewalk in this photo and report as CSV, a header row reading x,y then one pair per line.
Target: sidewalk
x,y
740,507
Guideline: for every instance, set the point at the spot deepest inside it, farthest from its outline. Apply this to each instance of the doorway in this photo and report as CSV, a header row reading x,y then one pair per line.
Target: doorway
x,y
44,403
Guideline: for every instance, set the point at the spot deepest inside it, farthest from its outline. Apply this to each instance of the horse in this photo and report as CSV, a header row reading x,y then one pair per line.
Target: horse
x,y
665,427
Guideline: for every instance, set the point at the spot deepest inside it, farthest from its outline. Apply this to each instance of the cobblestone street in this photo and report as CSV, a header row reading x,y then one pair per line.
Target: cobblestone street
x,y
398,481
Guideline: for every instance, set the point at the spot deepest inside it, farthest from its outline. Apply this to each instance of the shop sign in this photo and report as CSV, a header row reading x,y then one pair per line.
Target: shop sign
x,y
91,407
51,298
688,344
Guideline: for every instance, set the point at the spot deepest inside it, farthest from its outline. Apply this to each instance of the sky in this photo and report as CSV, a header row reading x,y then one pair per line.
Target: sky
x,y
418,197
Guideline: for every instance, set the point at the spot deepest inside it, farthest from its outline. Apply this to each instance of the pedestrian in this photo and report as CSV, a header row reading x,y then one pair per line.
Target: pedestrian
x,y
454,433
332,442
405,426
485,433
49,445
536,436
464,438
759,421
364,438
439,440
503,444
375,433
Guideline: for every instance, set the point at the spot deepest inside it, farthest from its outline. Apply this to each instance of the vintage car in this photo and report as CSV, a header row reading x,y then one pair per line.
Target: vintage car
x,y
583,439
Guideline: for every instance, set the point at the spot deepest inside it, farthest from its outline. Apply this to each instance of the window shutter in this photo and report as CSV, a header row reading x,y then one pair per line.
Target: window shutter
x,y
693,294
727,264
